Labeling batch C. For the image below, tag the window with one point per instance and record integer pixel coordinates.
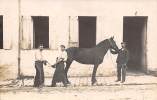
(87, 31)
(41, 31)
(1, 32)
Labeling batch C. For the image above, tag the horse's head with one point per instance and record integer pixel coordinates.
(113, 44)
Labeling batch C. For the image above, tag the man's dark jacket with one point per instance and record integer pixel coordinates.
(123, 55)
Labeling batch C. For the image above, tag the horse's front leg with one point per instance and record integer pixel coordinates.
(94, 74)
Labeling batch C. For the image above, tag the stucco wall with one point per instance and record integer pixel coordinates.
(109, 22)
(8, 55)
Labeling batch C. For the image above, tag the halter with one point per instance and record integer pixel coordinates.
(111, 44)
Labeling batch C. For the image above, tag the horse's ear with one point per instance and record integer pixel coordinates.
(112, 37)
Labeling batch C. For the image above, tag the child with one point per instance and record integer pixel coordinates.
(59, 74)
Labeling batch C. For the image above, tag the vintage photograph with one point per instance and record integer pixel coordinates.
(78, 50)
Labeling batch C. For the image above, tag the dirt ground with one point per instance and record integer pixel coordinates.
(137, 87)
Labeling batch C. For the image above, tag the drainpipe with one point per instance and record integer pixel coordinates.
(19, 40)
(69, 32)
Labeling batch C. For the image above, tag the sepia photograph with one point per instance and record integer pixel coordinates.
(78, 50)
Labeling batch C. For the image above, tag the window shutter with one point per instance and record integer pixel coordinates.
(73, 34)
(52, 32)
(7, 33)
(27, 31)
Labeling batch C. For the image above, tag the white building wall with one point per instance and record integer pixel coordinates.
(109, 22)
(8, 55)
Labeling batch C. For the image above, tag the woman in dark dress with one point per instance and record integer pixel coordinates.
(59, 74)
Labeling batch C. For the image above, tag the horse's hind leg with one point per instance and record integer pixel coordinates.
(94, 74)
(68, 63)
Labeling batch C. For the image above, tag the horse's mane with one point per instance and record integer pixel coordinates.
(102, 43)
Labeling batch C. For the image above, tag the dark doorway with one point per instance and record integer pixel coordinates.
(1, 32)
(41, 31)
(134, 33)
(87, 31)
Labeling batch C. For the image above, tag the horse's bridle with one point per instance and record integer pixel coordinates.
(111, 43)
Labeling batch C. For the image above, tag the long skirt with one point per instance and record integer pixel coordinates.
(39, 77)
(59, 74)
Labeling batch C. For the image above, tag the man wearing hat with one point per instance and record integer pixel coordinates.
(39, 61)
(122, 59)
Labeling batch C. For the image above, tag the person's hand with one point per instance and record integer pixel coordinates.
(124, 64)
(45, 62)
(111, 49)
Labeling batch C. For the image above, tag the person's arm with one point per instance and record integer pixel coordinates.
(127, 55)
(47, 63)
(113, 51)
(43, 57)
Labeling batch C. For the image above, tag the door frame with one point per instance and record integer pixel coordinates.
(144, 41)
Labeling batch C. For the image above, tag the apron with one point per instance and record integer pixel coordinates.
(59, 74)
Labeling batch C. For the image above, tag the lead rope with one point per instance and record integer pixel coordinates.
(112, 60)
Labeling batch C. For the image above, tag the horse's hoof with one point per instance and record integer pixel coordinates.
(68, 82)
(93, 82)
(65, 85)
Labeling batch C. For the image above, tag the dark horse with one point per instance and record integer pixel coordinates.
(94, 55)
